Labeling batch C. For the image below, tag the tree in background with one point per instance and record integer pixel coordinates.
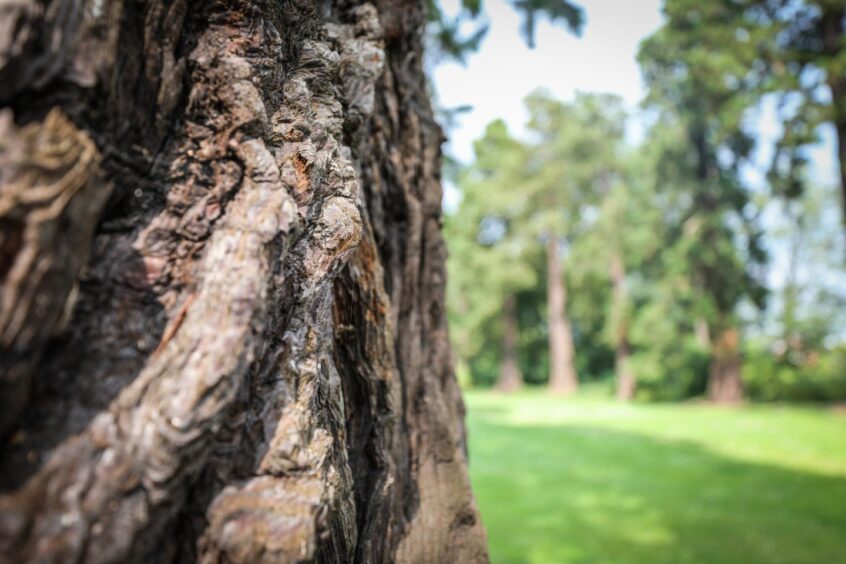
(622, 240)
(793, 50)
(797, 353)
(223, 285)
(573, 162)
(655, 262)
(715, 244)
(448, 40)
(523, 196)
(488, 262)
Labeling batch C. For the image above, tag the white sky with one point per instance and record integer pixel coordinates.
(505, 70)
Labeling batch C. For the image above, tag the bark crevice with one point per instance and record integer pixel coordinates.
(256, 366)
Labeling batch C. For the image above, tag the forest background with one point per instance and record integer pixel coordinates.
(675, 233)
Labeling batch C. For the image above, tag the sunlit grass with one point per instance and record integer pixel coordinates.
(589, 480)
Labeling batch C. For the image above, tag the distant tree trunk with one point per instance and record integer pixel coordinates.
(562, 377)
(703, 334)
(626, 381)
(222, 325)
(510, 377)
(833, 34)
(724, 380)
(840, 128)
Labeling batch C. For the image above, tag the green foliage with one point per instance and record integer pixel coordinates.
(450, 42)
(515, 195)
(485, 263)
(662, 245)
(739, 51)
(821, 376)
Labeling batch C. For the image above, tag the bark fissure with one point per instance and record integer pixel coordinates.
(253, 364)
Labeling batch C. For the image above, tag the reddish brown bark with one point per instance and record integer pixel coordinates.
(724, 380)
(562, 377)
(624, 375)
(223, 327)
(510, 377)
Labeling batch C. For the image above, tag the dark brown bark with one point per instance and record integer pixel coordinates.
(833, 34)
(840, 128)
(562, 377)
(222, 320)
(724, 378)
(624, 375)
(510, 377)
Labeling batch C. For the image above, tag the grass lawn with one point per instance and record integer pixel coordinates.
(589, 480)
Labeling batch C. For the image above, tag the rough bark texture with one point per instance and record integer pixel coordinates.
(562, 377)
(222, 324)
(510, 377)
(724, 380)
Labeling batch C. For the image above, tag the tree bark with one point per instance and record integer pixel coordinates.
(625, 376)
(562, 377)
(703, 334)
(724, 380)
(222, 327)
(510, 377)
(839, 94)
(832, 34)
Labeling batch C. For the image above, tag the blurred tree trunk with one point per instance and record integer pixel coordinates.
(626, 382)
(703, 334)
(724, 380)
(510, 378)
(562, 377)
(222, 320)
(833, 37)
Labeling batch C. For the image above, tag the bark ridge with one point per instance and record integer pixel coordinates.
(222, 320)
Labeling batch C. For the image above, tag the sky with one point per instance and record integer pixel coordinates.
(496, 79)
(505, 70)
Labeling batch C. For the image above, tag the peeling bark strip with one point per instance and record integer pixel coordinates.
(222, 321)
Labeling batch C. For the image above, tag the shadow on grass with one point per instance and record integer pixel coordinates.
(571, 493)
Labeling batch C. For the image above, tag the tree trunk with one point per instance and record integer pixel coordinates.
(222, 320)
(833, 33)
(510, 378)
(562, 377)
(724, 381)
(626, 380)
(840, 128)
(703, 334)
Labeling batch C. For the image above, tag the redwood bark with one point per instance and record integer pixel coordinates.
(510, 377)
(562, 377)
(833, 31)
(222, 328)
(724, 379)
(625, 376)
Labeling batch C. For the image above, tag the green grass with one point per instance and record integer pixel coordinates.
(589, 480)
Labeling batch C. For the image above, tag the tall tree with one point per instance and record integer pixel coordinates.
(716, 242)
(624, 237)
(222, 320)
(572, 163)
(489, 263)
(793, 49)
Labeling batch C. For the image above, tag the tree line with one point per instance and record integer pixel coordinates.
(576, 255)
